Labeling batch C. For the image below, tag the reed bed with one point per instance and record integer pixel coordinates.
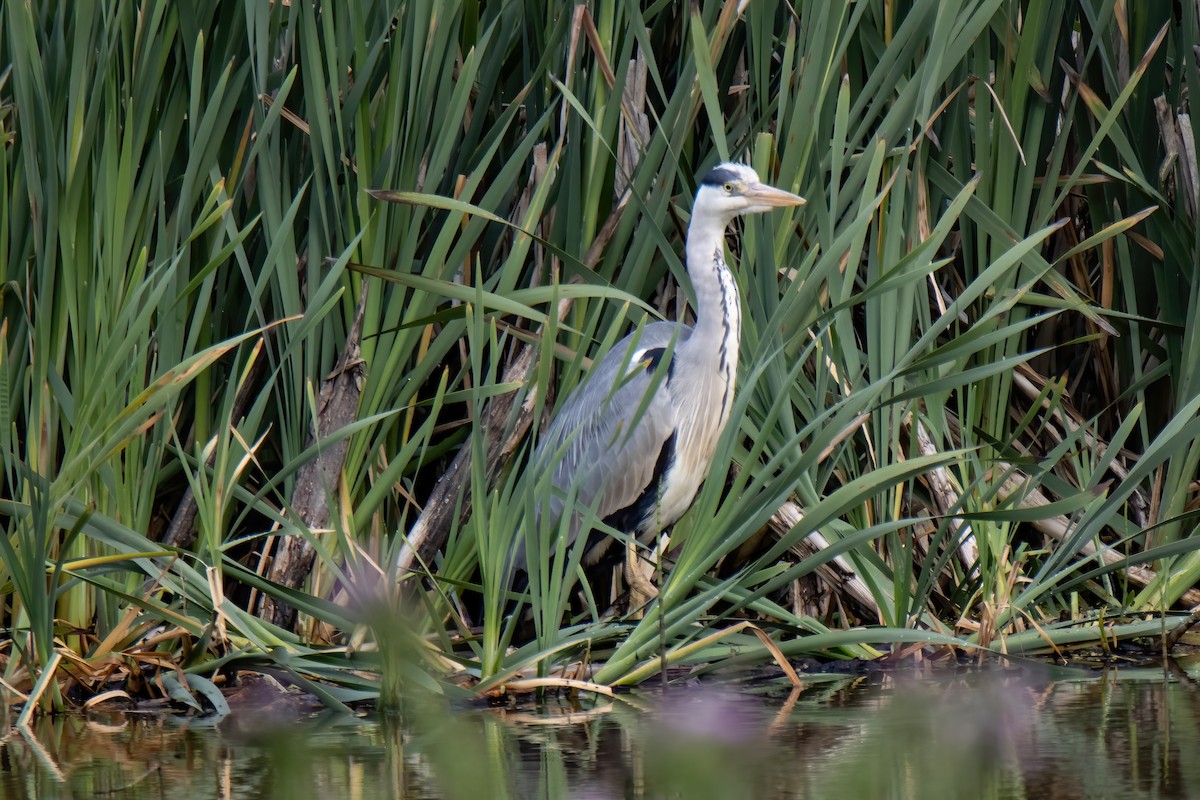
(289, 289)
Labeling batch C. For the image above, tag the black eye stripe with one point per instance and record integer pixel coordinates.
(719, 176)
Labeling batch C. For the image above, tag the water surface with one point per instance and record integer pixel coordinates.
(980, 734)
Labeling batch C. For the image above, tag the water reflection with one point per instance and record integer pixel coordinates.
(978, 735)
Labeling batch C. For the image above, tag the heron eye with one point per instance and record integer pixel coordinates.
(728, 188)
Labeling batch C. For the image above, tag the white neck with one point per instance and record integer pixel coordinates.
(707, 362)
(718, 312)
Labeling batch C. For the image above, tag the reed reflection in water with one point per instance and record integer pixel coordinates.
(980, 735)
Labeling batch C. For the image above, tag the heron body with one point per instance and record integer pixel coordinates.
(641, 459)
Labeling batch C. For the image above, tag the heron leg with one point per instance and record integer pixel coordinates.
(639, 574)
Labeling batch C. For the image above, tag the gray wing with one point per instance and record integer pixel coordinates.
(608, 450)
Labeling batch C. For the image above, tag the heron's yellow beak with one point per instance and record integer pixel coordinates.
(762, 194)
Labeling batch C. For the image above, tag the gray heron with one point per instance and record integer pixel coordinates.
(640, 458)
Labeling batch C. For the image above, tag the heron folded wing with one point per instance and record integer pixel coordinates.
(615, 448)
(617, 424)
(610, 437)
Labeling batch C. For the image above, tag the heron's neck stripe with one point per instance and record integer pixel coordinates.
(731, 331)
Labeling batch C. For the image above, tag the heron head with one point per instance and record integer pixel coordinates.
(730, 190)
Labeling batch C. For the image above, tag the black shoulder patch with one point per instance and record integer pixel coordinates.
(653, 357)
(719, 176)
